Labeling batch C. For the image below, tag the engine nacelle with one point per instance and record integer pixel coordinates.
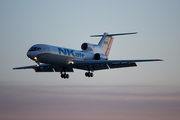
(100, 56)
(87, 46)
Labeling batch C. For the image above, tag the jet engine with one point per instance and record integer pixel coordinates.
(88, 46)
(100, 56)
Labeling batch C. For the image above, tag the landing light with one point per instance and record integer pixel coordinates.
(71, 62)
(35, 58)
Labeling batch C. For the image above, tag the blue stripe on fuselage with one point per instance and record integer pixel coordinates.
(70, 52)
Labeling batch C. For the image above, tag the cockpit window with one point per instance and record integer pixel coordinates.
(34, 49)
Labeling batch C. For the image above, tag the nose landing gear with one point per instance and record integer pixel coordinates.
(38, 63)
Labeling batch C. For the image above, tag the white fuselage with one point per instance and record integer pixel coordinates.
(57, 55)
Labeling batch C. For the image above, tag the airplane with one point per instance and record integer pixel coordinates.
(91, 58)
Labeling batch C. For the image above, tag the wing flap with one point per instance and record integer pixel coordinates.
(60, 69)
(111, 61)
(93, 67)
(120, 65)
(44, 69)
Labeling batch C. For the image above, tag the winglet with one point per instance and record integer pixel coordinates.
(159, 60)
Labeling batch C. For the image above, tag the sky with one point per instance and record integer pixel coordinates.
(149, 91)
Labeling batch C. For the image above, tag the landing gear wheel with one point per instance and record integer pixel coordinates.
(65, 76)
(89, 74)
(62, 75)
(86, 74)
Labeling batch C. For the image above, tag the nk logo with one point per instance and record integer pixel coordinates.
(69, 52)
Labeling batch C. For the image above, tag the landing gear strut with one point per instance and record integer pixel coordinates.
(38, 65)
(89, 74)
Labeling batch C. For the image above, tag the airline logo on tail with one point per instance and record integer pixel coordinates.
(109, 47)
(105, 42)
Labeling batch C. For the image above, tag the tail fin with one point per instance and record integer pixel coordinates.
(106, 41)
(105, 44)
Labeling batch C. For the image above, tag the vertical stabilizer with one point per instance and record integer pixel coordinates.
(105, 44)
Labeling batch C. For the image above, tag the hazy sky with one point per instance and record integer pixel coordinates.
(149, 91)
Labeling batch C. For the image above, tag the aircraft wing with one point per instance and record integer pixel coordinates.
(31, 66)
(46, 68)
(86, 65)
(106, 64)
(43, 68)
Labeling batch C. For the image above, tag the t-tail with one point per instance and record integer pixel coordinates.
(106, 42)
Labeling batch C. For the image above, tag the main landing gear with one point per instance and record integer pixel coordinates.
(64, 75)
(89, 74)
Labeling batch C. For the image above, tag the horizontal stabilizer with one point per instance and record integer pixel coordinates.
(114, 34)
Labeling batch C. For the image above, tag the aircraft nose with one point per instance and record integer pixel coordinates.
(30, 55)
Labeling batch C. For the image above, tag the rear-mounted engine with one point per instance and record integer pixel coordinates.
(100, 56)
(87, 46)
